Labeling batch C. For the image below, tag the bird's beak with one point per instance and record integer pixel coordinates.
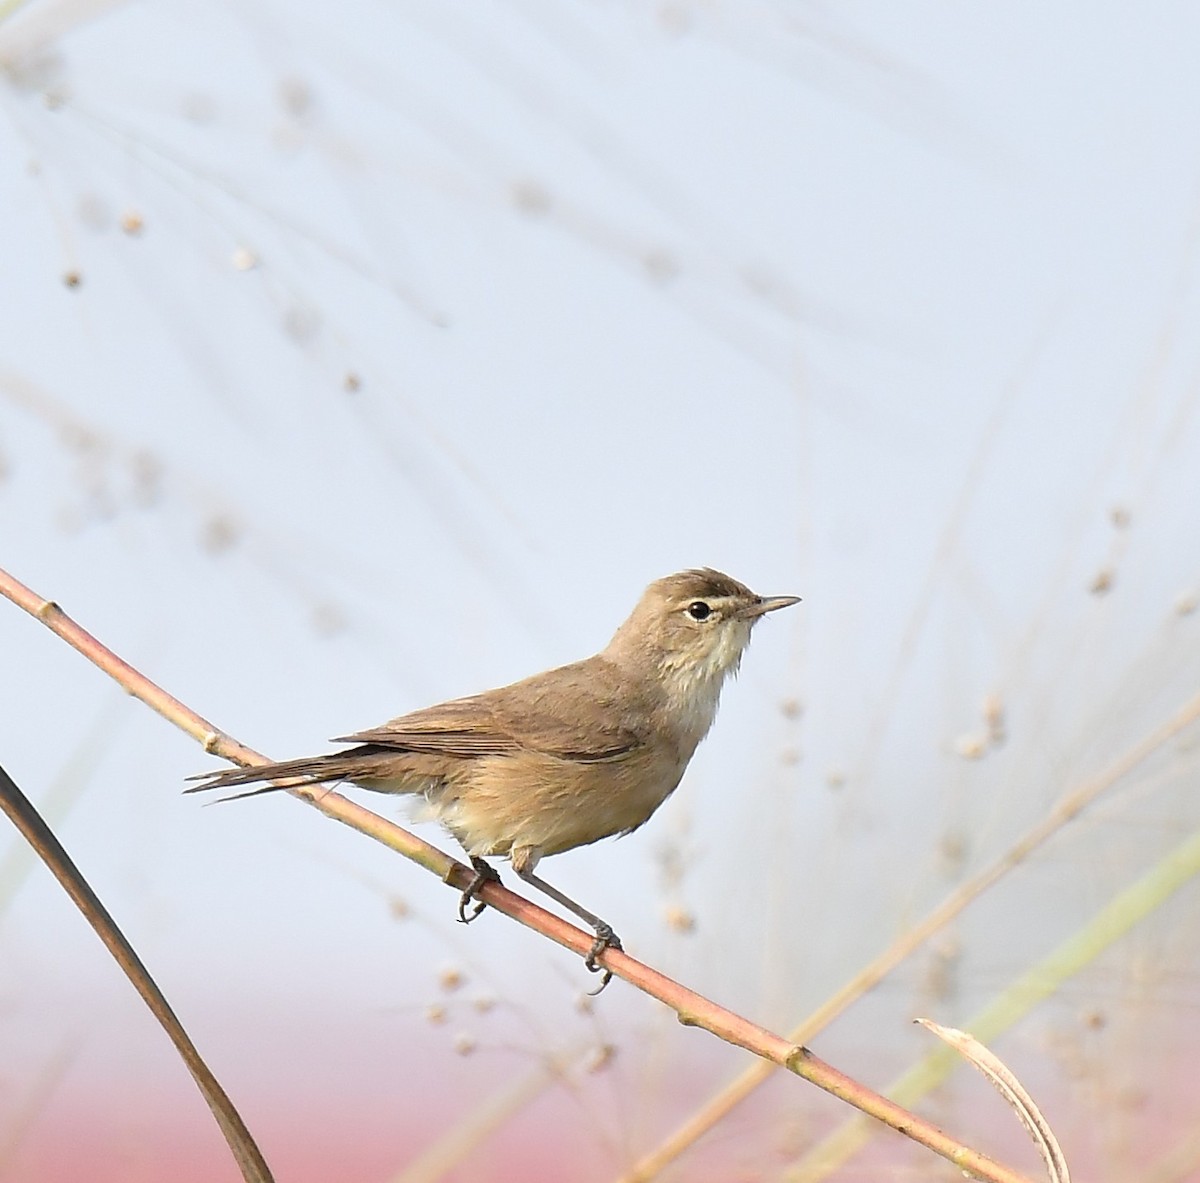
(766, 604)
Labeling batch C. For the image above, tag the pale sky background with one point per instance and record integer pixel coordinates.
(354, 357)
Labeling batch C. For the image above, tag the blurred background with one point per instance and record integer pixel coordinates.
(355, 357)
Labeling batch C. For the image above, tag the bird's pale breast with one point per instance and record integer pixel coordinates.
(551, 804)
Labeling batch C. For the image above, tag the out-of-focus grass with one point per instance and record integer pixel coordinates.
(1111, 923)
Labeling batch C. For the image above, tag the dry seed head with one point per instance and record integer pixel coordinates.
(679, 919)
(451, 978)
(600, 1058)
(970, 747)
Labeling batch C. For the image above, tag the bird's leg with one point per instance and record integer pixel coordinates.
(483, 874)
(605, 937)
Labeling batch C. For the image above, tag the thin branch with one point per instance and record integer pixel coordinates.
(1066, 809)
(692, 1008)
(1010, 1088)
(1040, 981)
(34, 830)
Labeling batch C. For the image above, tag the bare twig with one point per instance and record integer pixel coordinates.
(1065, 810)
(21, 812)
(1010, 1088)
(1128, 907)
(692, 1008)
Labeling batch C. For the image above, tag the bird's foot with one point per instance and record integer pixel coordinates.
(483, 874)
(605, 939)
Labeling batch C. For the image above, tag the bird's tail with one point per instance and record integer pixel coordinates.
(311, 770)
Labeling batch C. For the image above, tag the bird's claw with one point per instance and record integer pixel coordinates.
(468, 897)
(483, 874)
(605, 939)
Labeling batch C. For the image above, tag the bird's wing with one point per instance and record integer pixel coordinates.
(577, 713)
(464, 727)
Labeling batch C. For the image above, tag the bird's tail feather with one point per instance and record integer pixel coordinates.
(310, 770)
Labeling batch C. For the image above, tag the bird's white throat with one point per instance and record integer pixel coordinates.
(693, 687)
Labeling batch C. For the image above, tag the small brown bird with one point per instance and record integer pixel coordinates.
(566, 757)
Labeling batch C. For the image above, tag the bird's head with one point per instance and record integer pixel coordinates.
(692, 628)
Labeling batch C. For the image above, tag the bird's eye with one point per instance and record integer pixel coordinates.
(699, 610)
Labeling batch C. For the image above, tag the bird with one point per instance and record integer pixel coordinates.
(563, 758)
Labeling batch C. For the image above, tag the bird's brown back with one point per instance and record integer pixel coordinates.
(588, 711)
